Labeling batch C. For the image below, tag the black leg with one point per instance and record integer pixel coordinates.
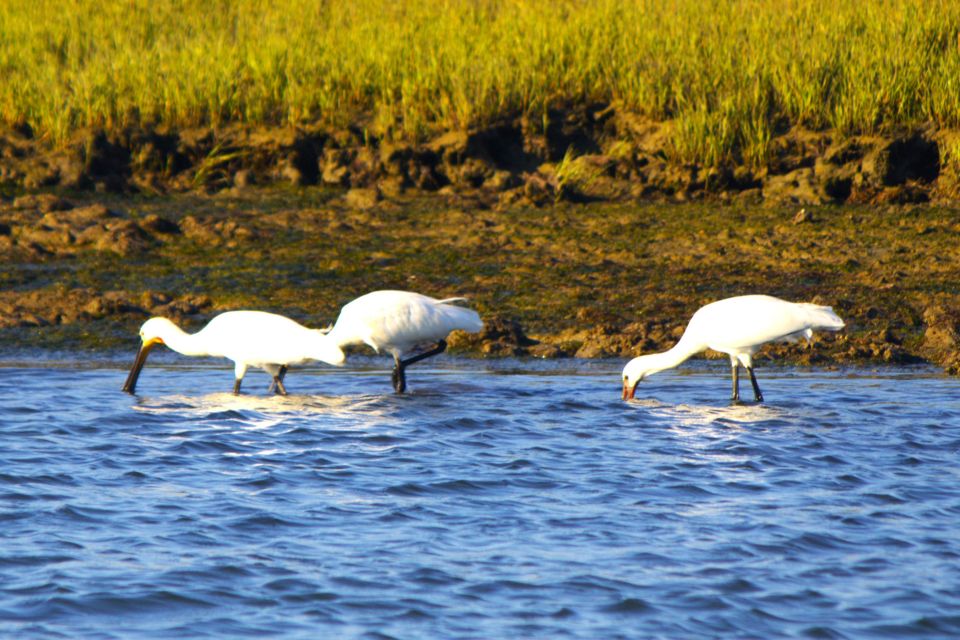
(756, 388)
(400, 366)
(440, 348)
(277, 383)
(398, 377)
(735, 371)
(236, 386)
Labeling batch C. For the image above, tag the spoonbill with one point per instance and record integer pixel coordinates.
(736, 326)
(249, 338)
(398, 322)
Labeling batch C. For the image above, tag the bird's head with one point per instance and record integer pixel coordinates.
(153, 330)
(635, 371)
(152, 333)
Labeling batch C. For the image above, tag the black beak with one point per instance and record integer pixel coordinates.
(131, 384)
(629, 391)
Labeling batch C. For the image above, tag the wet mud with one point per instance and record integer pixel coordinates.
(589, 280)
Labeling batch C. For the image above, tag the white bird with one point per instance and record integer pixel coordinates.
(399, 322)
(249, 338)
(738, 327)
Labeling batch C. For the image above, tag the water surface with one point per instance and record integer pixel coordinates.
(505, 499)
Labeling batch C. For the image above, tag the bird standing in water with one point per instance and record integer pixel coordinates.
(738, 327)
(400, 321)
(249, 338)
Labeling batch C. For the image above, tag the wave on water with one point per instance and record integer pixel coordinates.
(485, 503)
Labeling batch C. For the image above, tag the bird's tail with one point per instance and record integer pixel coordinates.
(461, 318)
(447, 300)
(821, 317)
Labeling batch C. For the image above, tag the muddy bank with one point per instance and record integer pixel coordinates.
(587, 153)
(569, 280)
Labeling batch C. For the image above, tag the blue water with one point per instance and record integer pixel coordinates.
(507, 499)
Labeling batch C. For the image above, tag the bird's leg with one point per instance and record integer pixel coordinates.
(398, 376)
(399, 369)
(440, 348)
(239, 370)
(735, 371)
(756, 388)
(278, 381)
(276, 385)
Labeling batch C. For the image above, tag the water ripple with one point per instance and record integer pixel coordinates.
(496, 499)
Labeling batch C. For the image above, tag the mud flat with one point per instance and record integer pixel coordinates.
(585, 280)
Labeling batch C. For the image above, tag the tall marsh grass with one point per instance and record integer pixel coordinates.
(728, 73)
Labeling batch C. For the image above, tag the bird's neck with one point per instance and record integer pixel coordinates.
(182, 342)
(334, 335)
(674, 356)
(340, 337)
(321, 346)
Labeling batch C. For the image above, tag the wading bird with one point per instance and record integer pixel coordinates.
(249, 338)
(400, 321)
(738, 327)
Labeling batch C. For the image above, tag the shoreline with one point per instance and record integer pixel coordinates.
(117, 358)
(571, 280)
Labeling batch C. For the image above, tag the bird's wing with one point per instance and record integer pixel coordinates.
(256, 337)
(396, 321)
(750, 321)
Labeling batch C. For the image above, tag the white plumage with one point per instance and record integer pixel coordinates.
(738, 327)
(398, 322)
(249, 338)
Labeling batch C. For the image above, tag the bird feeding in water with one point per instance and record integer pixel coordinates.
(399, 322)
(738, 327)
(249, 338)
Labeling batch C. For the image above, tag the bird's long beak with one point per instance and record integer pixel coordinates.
(628, 390)
(131, 384)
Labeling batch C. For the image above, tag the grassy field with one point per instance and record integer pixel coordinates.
(729, 74)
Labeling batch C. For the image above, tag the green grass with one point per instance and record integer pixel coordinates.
(728, 73)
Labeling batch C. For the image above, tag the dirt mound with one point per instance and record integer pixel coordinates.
(49, 225)
(45, 308)
(941, 337)
(580, 153)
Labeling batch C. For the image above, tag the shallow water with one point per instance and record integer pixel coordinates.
(507, 499)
